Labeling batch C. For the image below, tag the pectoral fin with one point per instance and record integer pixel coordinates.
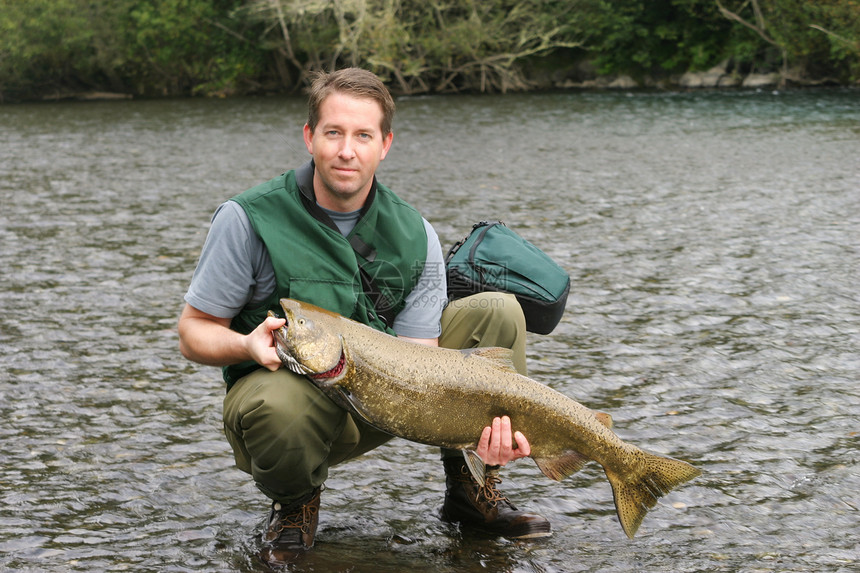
(348, 402)
(343, 399)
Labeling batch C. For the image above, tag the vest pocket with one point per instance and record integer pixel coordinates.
(337, 296)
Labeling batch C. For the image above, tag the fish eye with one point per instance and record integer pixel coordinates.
(301, 322)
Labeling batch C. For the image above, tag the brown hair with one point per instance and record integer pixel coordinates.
(355, 82)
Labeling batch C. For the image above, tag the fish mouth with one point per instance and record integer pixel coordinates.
(279, 336)
(289, 361)
(297, 367)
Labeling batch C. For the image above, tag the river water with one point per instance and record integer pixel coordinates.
(712, 240)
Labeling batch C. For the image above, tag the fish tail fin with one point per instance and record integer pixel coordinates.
(634, 497)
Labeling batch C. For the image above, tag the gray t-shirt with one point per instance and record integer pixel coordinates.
(235, 272)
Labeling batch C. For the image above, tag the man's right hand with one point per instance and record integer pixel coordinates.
(208, 339)
(261, 343)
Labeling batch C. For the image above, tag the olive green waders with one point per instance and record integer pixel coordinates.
(286, 433)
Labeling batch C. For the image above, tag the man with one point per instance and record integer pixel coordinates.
(330, 234)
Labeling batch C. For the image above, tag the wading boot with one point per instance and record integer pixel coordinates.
(290, 530)
(482, 506)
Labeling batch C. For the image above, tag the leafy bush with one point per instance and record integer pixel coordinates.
(420, 45)
(147, 47)
(218, 47)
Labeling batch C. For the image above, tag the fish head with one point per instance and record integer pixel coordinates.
(309, 343)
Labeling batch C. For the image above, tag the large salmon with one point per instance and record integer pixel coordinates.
(446, 397)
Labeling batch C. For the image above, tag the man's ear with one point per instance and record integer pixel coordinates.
(386, 145)
(308, 136)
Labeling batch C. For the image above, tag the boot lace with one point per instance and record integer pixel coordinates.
(487, 490)
(301, 519)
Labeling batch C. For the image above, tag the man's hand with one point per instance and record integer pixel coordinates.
(261, 344)
(208, 339)
(497, 447)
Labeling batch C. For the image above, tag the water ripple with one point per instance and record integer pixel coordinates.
(712, 243)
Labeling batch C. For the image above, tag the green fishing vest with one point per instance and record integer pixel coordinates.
(314, 263)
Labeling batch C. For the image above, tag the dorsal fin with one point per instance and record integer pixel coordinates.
(500, 357)
(603, 418)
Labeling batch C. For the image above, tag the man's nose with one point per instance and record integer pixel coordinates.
(346, 151)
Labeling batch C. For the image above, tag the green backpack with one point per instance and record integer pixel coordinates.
(494, 258)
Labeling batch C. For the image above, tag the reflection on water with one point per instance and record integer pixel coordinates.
(712, 240)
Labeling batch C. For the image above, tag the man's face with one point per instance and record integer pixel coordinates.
(347, 146)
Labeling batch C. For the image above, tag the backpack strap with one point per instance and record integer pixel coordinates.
(304, 178)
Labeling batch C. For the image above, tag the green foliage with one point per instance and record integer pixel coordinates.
(147, 47)
(420, 45)
(41, 38)
(182, 46)
(811, 39)
(654, 37)
(218, 47)
(839, 20)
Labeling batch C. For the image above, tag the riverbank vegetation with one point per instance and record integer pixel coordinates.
(60, 48)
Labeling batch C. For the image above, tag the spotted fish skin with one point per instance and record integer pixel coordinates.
(446, 397)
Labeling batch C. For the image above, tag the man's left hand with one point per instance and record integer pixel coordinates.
(499, 445)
